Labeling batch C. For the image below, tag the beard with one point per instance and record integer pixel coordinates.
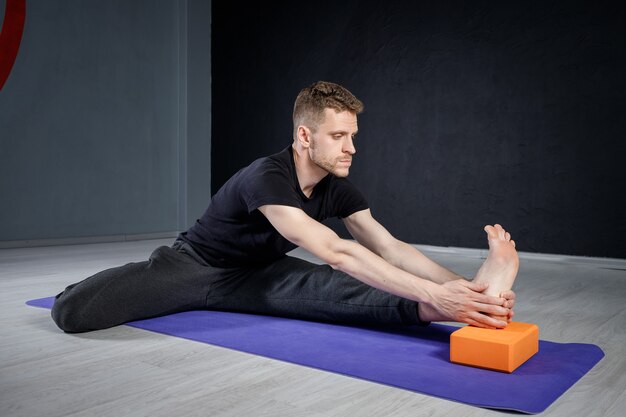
(327, 163)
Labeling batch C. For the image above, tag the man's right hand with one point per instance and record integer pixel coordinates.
(463, 301)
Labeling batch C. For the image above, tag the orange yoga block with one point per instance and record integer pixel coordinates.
(501, 350)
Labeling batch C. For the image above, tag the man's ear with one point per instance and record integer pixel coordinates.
(303, 134)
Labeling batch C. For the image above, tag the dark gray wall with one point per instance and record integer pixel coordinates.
(97, 135)
(476, 112)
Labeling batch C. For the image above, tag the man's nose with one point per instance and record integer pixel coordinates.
(348, 146)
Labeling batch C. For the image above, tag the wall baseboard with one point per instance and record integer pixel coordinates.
(608, 263)
(8, 244)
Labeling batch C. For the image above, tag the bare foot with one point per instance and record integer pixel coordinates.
(500, 268)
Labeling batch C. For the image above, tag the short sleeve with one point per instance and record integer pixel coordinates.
(269, 184)
(345, 198)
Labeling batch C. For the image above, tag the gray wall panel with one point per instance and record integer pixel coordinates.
(90, 121)
(198, 109)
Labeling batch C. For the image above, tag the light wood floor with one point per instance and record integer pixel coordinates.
(130, 372)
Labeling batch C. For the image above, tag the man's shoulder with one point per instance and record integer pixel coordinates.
(270, 180)
(276, 162)
(266, 174)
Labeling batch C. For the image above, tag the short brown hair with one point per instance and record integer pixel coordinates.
(314, 99)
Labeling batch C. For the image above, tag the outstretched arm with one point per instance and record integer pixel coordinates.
(455, 301)
(371, 234)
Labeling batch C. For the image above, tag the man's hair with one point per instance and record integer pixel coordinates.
(314, 99)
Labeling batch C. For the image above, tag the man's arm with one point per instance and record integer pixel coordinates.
(371, 234)
(458, 300)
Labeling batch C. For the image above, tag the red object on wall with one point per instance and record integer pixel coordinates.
(11, 36)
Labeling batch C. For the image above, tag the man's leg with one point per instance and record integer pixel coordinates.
(170, 281)
(292, 287)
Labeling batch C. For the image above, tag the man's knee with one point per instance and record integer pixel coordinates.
(67, 313)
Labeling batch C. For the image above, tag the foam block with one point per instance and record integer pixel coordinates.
(500, 350)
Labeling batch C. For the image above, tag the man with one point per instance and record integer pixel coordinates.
(234, 257)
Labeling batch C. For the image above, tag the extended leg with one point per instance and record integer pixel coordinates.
(170, 281)
(295, 288)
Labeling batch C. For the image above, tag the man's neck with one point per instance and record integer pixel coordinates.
(309, 174)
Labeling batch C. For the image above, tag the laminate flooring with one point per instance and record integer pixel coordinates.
(130, 372)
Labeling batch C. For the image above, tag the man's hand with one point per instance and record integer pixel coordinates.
(463, 301)
(509, 296)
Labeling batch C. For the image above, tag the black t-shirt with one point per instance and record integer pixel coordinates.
(232, 232)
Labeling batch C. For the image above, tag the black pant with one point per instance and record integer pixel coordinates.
(177, 279)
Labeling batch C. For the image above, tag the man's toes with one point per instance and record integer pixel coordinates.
(507, 236)
(491, 232)
(500, 231)
(513, 243)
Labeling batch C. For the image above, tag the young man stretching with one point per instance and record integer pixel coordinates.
(234, 257)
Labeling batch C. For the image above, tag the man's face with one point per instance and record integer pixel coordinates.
(332, 144)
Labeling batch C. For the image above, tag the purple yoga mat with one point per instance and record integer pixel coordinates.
(412, 358)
